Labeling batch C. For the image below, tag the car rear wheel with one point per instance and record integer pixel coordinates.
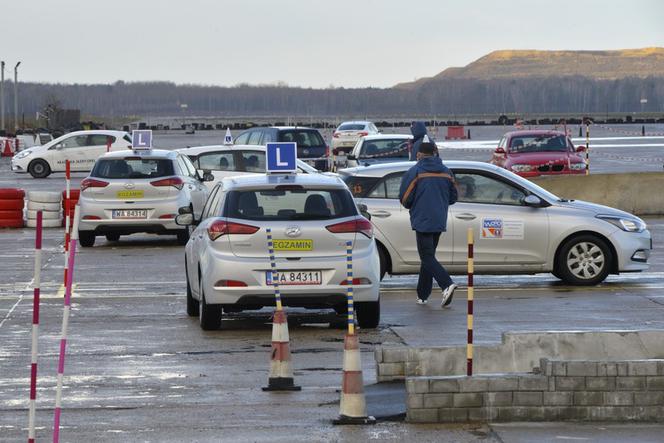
(39, 169)
(192, 304)
(584, 260)
(209, 315)
(368, 314)
(112, 237)
(86, 238)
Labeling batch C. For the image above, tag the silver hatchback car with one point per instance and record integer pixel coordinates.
(139, 191)
(519, 227)
(311, 216)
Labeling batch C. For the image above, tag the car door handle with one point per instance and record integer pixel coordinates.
(465, 216)
(380, 214)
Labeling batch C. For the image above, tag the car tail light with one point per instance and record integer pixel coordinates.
(230, 284)
(336, 134)
(360, 224)
(92, 183)
(176, 182)
(357, 281)
(363, 133)
(222, 227)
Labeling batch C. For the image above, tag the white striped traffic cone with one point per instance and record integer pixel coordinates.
(353, 407)
(281, 370)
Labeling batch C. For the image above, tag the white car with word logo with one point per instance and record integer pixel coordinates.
(311, 216)
(129, 192)
(81, 148)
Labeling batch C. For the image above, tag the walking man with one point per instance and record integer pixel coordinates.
(427, 190)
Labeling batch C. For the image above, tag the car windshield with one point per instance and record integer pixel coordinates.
(538, 143)
(132, 167)
(351, 127)
(389, 147)
(304, 139)
(289, 203)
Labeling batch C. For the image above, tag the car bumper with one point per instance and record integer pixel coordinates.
(336, 143)
(531, 174)
(19, 166)
(153, 223)
(633, 250)
(252, 271)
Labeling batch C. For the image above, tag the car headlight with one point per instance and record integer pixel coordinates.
(626, 224)
(22, 154)
(522, 168)
(577, 166)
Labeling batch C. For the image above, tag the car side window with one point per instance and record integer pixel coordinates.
(479, 188)
(254, 138)
(209, 203)
(180, 168)
(388, 187)
(189, 166)
(100, 139)
(217, 161)
(378, 191)
(254, 161)
(242, 138)
(78, 141)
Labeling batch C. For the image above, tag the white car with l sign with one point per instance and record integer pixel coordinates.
(81, 148)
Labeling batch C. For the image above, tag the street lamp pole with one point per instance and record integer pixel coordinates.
(2, 96)
(16, 97)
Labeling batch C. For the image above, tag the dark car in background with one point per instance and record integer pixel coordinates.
(538, 152)
(311, 146)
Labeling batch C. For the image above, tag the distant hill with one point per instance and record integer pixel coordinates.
(598, 65)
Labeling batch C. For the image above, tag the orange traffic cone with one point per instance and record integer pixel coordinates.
(8, 149)
(281, 370)
(353, 406)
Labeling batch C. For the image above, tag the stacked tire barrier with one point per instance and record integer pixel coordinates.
(11, 207)
(73, 201)
(47, 202)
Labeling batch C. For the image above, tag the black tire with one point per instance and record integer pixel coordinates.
(209, 315)
(183, 236)
(39, 168)
(192, 304)
(112, 237)
(86, 238)
(382, 256)
(368, 314)
(584, 260)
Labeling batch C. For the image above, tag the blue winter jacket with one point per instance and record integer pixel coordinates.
(419, 130)
(427, 190)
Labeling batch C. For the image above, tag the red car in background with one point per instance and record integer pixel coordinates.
(538, 152)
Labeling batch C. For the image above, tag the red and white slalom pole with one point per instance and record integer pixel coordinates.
(67, 216)
(65, 325)
(35, 331)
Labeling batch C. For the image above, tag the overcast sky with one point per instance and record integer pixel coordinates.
(312, 43)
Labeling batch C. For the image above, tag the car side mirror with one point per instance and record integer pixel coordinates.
(364, 210)
(184, 219)
(351, 157)
(532, 200)
(581, 148)
(500, 151)
(207, 176)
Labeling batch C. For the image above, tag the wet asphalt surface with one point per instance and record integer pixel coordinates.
(139, 369)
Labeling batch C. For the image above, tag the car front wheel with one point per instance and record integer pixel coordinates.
(39, 169)
(584, 260)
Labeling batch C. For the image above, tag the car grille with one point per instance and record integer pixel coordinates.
(547, 168)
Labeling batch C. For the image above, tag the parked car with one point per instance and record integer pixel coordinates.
(139, 191)
(311, 147)
(519, 228)
(81, 148)
(348, 133)
(312, 217)
(538, 152)
(380, 148)
(231, 160)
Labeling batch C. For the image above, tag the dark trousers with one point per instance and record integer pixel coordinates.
(430, 269)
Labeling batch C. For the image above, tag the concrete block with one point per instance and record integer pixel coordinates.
(482, 414)
(395, 355)
(493, 399)
(378, 355)
(411, 369)
(546, 366)
(533, 383)
(582, 398)
(641, 367)
(527, 399)
(581, 368)
(621, 367)
(615, 413)
(453, 415)
(422, 415)
(649, 398)
(417, 385)
(607, 369)
(566, 413)
(600, 383)
(618, 398)
(660, 367)
(414, 401)
(630, 383)
(521, 413)
(559, 368)
(468, 400)
(473, 384)
(391, 369)
(504, 383)
(570, 383)
(655, 383)
(438, 401)
(444, 385)
(557, 398)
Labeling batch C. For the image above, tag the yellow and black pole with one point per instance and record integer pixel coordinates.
(469, 346)
(587, 148)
